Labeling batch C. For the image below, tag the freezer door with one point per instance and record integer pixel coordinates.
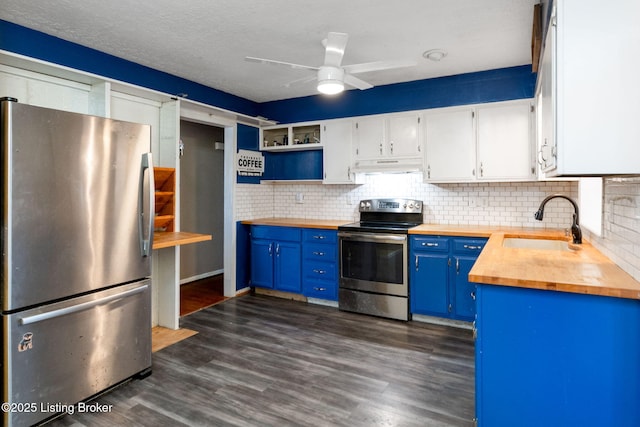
(77, 196)
(68, 351)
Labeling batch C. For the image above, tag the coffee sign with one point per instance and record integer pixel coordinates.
(250, 163)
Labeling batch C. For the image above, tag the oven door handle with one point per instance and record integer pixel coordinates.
(372, 237)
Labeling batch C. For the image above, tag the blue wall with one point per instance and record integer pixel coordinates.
(473, 88)
(24, 41)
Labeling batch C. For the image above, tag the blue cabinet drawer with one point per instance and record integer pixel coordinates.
(319, 270)
(320, 252)
(275, 233)
(321, 289)
(439, 244)
(319, 235)
(468, 246)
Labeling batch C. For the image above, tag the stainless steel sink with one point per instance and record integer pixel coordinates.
(544, 244)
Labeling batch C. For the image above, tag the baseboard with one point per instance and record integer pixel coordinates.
(201, 276)
(442, 321)
(280, 294)
(243, 291)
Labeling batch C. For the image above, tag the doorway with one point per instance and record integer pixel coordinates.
(202, 211)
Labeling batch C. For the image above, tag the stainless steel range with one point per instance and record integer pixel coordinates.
(374, 258)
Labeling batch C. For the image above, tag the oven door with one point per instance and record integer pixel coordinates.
(374, 262)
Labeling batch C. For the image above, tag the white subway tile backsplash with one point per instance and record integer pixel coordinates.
(469, 203)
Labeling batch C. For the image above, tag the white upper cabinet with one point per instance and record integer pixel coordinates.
(492, 142)
(505, 141)
(369, 138)
(450, 144)
(589, 103)
(336, 153)
(387, 142)
(404, 135)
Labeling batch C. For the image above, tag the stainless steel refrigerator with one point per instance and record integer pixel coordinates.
(77, 228)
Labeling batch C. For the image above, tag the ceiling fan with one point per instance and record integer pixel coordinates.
(331, 75)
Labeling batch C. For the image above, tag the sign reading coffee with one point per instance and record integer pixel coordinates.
(250, 163)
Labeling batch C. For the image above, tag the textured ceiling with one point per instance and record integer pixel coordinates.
(206, 40)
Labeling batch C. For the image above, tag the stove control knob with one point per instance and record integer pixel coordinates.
(361, 205)
(368, 206)
(410, 205)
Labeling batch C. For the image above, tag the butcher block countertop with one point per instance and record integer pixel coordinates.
(330, 224)
(164, 239)
(583, 269)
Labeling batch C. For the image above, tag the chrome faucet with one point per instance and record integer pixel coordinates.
(575, 227)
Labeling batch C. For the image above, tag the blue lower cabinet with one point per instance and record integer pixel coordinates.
(439, 276)
(464, 291)
(429, 284)
(262, 263)
(276, 256)
(320, 264)
(297, 260)
(287, 267)
(547, 358)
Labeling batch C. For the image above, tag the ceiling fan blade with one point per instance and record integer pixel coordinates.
(377, 66)
(274, 62)
(334, 49)
(356, 82)
(301, 81)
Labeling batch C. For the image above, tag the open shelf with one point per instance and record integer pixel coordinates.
(165, 183)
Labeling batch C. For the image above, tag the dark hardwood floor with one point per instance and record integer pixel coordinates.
(201, 293)
(265, 361)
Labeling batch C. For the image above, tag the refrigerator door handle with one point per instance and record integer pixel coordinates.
(145, 241)
(79, 307)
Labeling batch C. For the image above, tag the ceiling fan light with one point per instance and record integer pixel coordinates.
(330, 80)
(330, 87)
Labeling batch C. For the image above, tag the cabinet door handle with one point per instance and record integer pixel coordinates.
(318, 253)
(481, 170)
(381, 148)
(277, 249)
(315, 270)
(320, 237)
(315, 288)
(473, 295)
(429, 244)
(429, 171)
(457, 266)
(270, 249)
(391, 147)
(416, 262)
(472, 247)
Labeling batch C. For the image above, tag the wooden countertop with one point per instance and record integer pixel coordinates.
(481, 230)
(583, 269)
(330, 224)
(164, 239)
